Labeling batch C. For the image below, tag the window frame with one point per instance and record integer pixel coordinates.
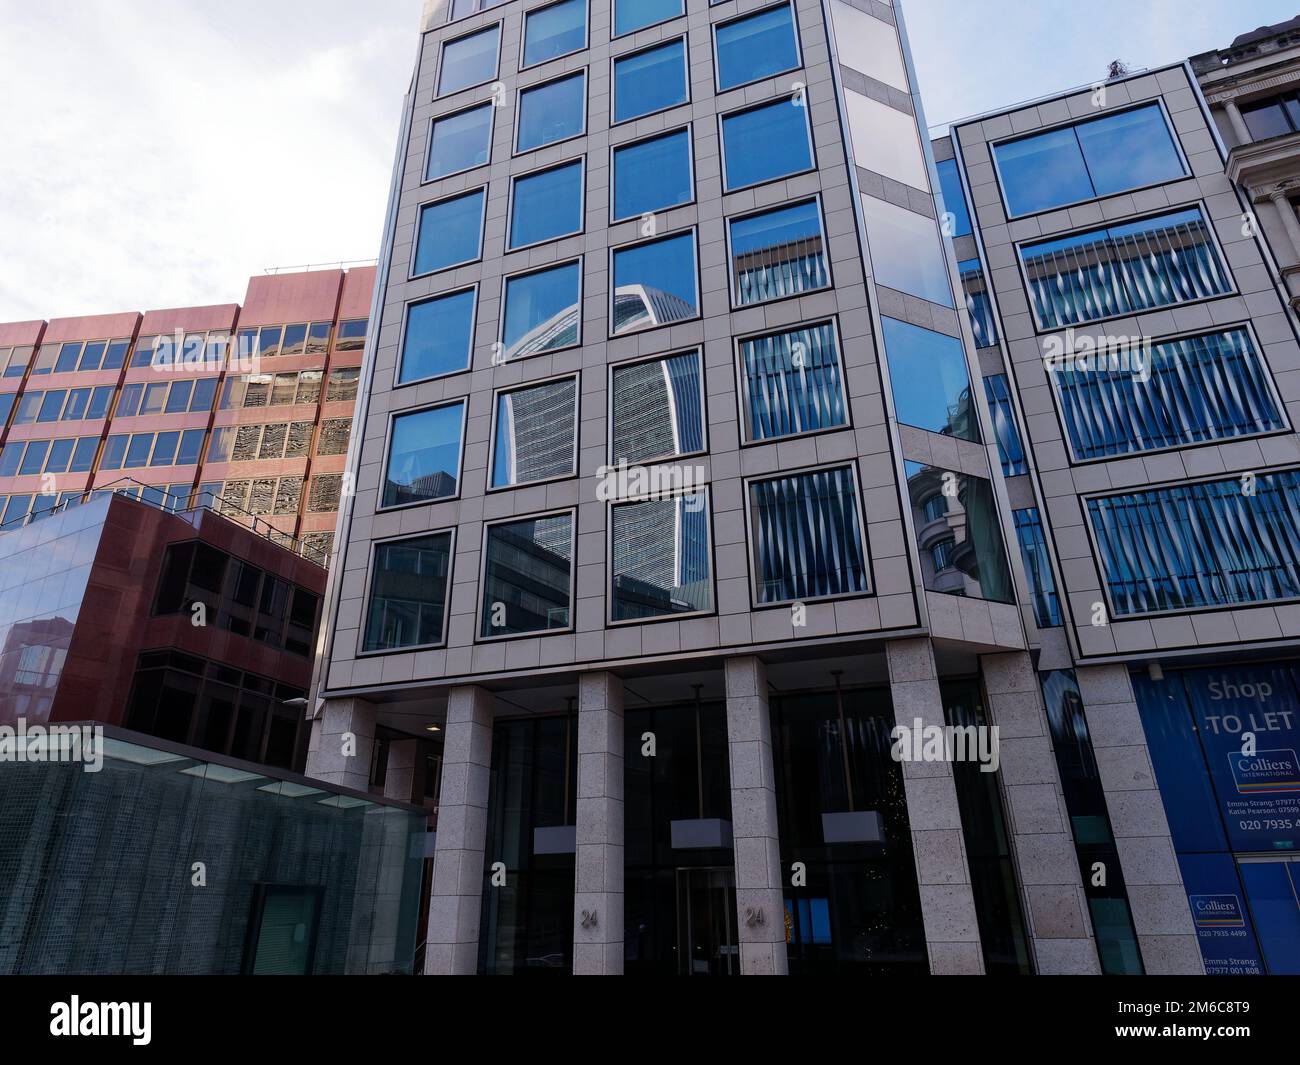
(1071, 124)
(370, 576)
(398, 383)
(419, 226)
(610, 505)
(656, 460)
(816, 200)
(438, 94)
(461, 401)
(615, 122)
(523, 36)
(428, 152)
(522, 386)
(751, 545)
(722, 141)
(691, 230)
(581, 160)
(686, 128)
(742, 393)
(515, 150)
(481, 588)
(754, 13)
(506, 278)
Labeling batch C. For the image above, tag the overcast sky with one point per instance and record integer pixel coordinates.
(155, 153)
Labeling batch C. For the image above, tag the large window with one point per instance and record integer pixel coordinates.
(424, 455)
(450, 232)
(553, 31)
(1011, 451)
(137, 450)
(756, 46)
(655, 283)
(1099, 157)
(766, 142)
(527, 576)
(954, 200)
(650, 80)
(906, 251)
(552, 112)
(1200, 545)
(806, 536)
(1038, 567)
(930, 380)
(1120, 269)
(660, 557)
(885, 140)
(1275, 116)
(469, 60)
(632, 15)
(542, 310)
(408, 593)
(652, 175)
(657, 408)
(777, 253)
(979, 307)
(439, 336)
(1171, 394)
(791, 382)
(460, 141)
(546, 204)
(536, 433)
(958, 534)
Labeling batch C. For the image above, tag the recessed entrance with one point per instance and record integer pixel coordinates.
(706, 922)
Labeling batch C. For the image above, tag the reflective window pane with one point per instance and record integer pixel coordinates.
(555, 30)
(424, 455)
(655, 283)
(756, 46)
(777, 253)
(930, 380)
(408, 593)
(542, 311)
(460, 141)
(652, 175)
(868, 45)
(552, 112)
(439, 335)
(885, 141)
(791, 383)
(661, 557)
(527, 576)
(451, 232)
(954, 203)
(547, 204)
(535, 432)
(650, 81)
(765, 143)
(1042, 171)
(632, 15)
(468, 61)
(658, 408)
(906, 252)
(958, 533)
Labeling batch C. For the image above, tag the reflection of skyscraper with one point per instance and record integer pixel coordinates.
(659, 407)
(637, 307)
(558, 331)
(781, 270)
(662, 557)
(535, 433)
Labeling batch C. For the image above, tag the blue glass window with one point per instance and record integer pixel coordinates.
(1174, 393)
(652, 175)
(408, 593)
(954, 202)
(542, 311)
(114, 452)
(451, 232)
(660, 557)
(164, 449)
(979, 308)
(791, 383)
(469, 60)
(930, 380)
(424, 455)
(554, 30)
(1038, 567)
(1011, 451)
(657, 408)
(83, 455)
(460, 141)
(650, 80)
(547, 205)
(137, 451)
(655, 283)
(68, 356)
(778, 253)
(439, 336)
(1200, 545)
(536, 428)
(552, 112)
(52, 405)
(527, 576)
(1136, 266)
(765, 143)
(906, 251)
(6, 405)
(632, 15)
(1098, 157)
(958, 534)
(60, 454)
(806, 536)
(756, 46)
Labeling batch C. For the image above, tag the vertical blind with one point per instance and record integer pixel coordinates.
(792, 383)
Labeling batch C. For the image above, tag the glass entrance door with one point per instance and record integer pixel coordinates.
(706, 922)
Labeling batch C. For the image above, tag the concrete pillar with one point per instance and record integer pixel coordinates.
(1289, 220)
(1157, 900)
(1238, 124)
(952, 935)
(760, 903)
(399, 777)
(456, 899)
(1059, 925)
(598, 866)
(342, 743)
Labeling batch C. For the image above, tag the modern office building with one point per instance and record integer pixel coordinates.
(247, 406)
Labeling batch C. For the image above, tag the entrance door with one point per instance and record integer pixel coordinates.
(706, 922)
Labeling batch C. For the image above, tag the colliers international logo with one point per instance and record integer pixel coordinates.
(1217, 911)
(1265, 772)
